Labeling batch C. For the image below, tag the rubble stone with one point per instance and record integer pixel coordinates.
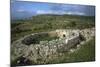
(39, 51)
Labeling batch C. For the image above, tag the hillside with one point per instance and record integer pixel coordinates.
(43, 23)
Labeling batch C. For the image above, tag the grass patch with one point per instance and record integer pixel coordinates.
(84, 54)
(44, 23)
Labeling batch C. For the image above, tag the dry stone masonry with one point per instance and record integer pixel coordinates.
(38, 50)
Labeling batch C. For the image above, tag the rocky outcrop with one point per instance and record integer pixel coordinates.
(33, 48)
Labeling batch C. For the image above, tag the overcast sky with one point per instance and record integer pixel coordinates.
(21, 9)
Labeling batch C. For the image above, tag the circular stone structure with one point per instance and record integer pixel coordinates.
(40, 47)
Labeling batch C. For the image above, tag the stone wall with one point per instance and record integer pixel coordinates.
(42, 51)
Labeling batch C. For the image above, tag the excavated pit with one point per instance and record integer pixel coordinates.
(36, 38)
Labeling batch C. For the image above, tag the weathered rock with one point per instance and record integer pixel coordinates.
(39, 51)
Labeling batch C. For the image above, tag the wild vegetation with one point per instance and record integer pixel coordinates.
(43, 23)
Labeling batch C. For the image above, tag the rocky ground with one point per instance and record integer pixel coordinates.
(25, 53)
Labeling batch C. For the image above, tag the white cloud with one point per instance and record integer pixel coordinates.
(58, 12)
(76, 13)
(43, 12)
(20, 10)
(50, 12)
(54, 12)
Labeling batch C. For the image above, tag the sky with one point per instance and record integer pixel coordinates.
(24, 9)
